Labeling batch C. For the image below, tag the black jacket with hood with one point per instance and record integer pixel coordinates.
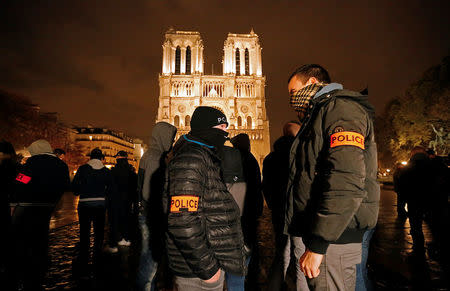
(44, 177)
(206, 235)
(153, 161)
(151, 178)
(93, 182)
(332, 192)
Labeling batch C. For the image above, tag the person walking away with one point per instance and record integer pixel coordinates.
(150, 186)
(125, 179)
(204, 237)
(40, 184)
(275, 178)
(253, 206)
(415, 180)
(332, 192)
(93, 183)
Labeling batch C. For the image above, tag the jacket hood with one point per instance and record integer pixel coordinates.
(95, 164)
(162, 137)
(40, 147)
(363, 100)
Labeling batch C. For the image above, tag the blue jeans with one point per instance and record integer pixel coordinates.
(235, 282)
(145, 279)
(362, 280)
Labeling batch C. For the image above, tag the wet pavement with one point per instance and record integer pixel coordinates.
(391, 263)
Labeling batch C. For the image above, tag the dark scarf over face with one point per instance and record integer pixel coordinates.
(211, 136)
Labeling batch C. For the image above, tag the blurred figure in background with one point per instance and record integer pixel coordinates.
(415, 181)
(150, 186)
(93, 183)
(125, 178)
(41, 183)
(275, 179)
(252, 207)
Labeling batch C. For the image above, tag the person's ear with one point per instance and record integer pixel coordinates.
(312, 80)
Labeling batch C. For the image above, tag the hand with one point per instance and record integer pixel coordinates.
(213, 278)
(310, 263)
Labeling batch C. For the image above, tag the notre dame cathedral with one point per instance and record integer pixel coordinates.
(239, 92)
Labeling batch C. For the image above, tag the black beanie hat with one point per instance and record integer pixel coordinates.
(205, 117)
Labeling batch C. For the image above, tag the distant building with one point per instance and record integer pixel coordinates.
(239, 92)
(110, 142)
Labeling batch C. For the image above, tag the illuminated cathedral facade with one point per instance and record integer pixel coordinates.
(239, 92)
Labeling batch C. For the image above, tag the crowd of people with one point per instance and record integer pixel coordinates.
(198, 201)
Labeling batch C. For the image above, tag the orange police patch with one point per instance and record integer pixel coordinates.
(184, 203)
(347, 138)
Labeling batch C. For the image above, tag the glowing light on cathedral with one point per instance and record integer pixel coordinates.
(239, 92)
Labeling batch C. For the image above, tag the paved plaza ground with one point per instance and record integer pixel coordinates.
(391, 265)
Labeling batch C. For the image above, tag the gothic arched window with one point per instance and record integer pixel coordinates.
(188, 60)
(247, 62)
(176, 121)
(187, 121)
(177, 60)
(238, 62)
(249, 122)
(239, 121)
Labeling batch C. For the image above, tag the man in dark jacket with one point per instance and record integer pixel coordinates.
(253, 205)
(204, 236)
(41, 183)
(120, 204)
(93, 183)
(276, 175)
(332, 190)
(150, 187)
(415, 180)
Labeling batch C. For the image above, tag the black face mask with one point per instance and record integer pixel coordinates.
(212, 136)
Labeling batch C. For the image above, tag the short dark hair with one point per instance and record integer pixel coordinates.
(311, 70)
(59, 152)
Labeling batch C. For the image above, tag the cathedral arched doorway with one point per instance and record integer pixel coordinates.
(187, 121)
(249, 122)
(239, 122)
(176, 121)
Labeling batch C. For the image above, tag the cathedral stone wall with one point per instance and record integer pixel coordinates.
(239, 92)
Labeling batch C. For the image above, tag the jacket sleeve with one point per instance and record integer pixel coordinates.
(344, 127)
(187, 178)
(151, 165)
(76, 182)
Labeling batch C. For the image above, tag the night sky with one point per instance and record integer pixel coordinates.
(98, 62)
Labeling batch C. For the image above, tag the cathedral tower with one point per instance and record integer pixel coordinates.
(239, 92)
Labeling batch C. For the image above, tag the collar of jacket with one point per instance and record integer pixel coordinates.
(197, 142)
(328, 88)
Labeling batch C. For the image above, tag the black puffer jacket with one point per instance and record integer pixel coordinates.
(206, 235)
(332, 190)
